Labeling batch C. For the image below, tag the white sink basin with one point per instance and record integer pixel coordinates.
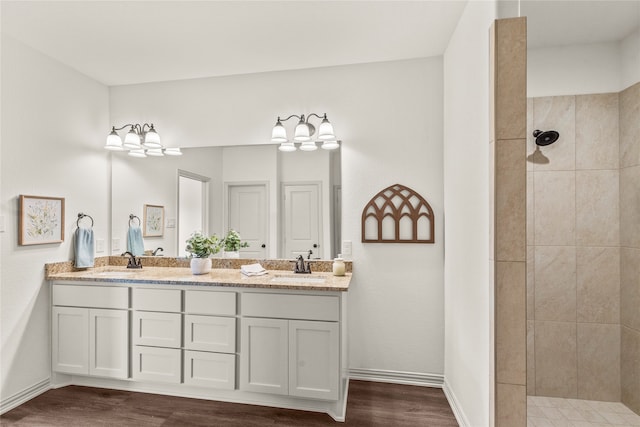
(298, 278)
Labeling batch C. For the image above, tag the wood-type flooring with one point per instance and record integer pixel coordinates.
(369, 404)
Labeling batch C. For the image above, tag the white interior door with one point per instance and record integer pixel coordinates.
(192, 208)
(247, 214)
(301, 220)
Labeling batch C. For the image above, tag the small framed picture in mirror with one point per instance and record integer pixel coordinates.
(153, 222)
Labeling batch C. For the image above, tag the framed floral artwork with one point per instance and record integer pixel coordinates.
(153, 221)
(41, 220)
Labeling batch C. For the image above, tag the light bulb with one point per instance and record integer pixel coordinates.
(132, 139)
(152, 139)
(279, 133)
(114, 142)
(302, 132)
(325, 131)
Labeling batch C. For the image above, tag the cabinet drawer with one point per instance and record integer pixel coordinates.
(168, 300)
(209, 333)
(157, 329)
(156, 364)
(210, 369)
(91, 296)
(284, 306)
(210, 302)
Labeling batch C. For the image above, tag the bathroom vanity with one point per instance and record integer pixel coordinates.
(276, 340)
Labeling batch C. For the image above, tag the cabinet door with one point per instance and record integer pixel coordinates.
(156, 364)
(214, 370)
(70, 340)
(109, 343)
(314, 350)
(210, 333)
(263, 356)
(157, 329)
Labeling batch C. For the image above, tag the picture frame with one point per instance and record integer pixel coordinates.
(153, 221)
(40, 220)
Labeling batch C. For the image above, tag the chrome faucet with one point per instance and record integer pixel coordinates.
(302, 267)
(133, 261)
(155, 253)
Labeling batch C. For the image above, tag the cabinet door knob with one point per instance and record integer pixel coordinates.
(263, 246)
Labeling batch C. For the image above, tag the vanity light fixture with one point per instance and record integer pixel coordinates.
(303, 134)
(140, 140)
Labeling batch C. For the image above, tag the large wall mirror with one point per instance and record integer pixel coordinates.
(282, 204)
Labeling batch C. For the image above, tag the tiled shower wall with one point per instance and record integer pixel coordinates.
(573, 249)
(630, 245)
(583, 248)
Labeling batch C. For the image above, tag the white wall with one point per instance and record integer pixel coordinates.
(53, 133)
(584, 68)
(573, 69)
(389, 116)
(630, 60)
(466, 205)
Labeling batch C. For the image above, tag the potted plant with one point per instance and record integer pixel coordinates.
(232, 244)
(201, 248)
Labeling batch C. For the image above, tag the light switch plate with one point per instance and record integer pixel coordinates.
(171, 223)
(346, 248)
(115, 245)
(99, 245)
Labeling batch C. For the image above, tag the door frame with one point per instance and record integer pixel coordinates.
(267, 218)
(206, 181)
(282, 219)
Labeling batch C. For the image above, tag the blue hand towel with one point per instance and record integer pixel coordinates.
(135, 245)
(83, 247)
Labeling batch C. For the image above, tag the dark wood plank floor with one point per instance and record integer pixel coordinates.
(369, 404)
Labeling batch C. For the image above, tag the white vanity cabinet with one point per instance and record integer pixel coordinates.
(293, 348)
(90, 330)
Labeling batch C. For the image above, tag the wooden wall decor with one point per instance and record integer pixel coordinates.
(407, 216)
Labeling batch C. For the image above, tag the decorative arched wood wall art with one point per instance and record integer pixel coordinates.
(398, 214)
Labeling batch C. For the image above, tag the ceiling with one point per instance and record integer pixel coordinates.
(127, 42)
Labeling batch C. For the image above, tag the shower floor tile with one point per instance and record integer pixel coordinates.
(558, 412)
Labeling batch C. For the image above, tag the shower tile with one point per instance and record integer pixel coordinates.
(510, 200)
(555, 283)
(597, 131)
(597, 214)
(630, 126)
(630, 368)
(511, 328)
(556, 364)
(629, 203)
(531, 361)
(630, 288)
(530, 210)
(554, 208)
(511, 405)
(598, 284)
(510, 88)
(557, 113)
(531, 284)
(598, 362)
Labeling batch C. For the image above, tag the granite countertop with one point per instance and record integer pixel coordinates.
(217, 277)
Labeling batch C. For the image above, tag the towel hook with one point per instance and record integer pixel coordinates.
(132, 217)
(83, 215)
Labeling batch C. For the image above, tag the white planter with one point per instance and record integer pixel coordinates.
(232, 254)
(200, 265)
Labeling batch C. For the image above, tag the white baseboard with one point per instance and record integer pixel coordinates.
(397, 377)
(455, 406)
(25, 395)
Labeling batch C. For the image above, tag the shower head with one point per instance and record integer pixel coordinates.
(545, 138)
